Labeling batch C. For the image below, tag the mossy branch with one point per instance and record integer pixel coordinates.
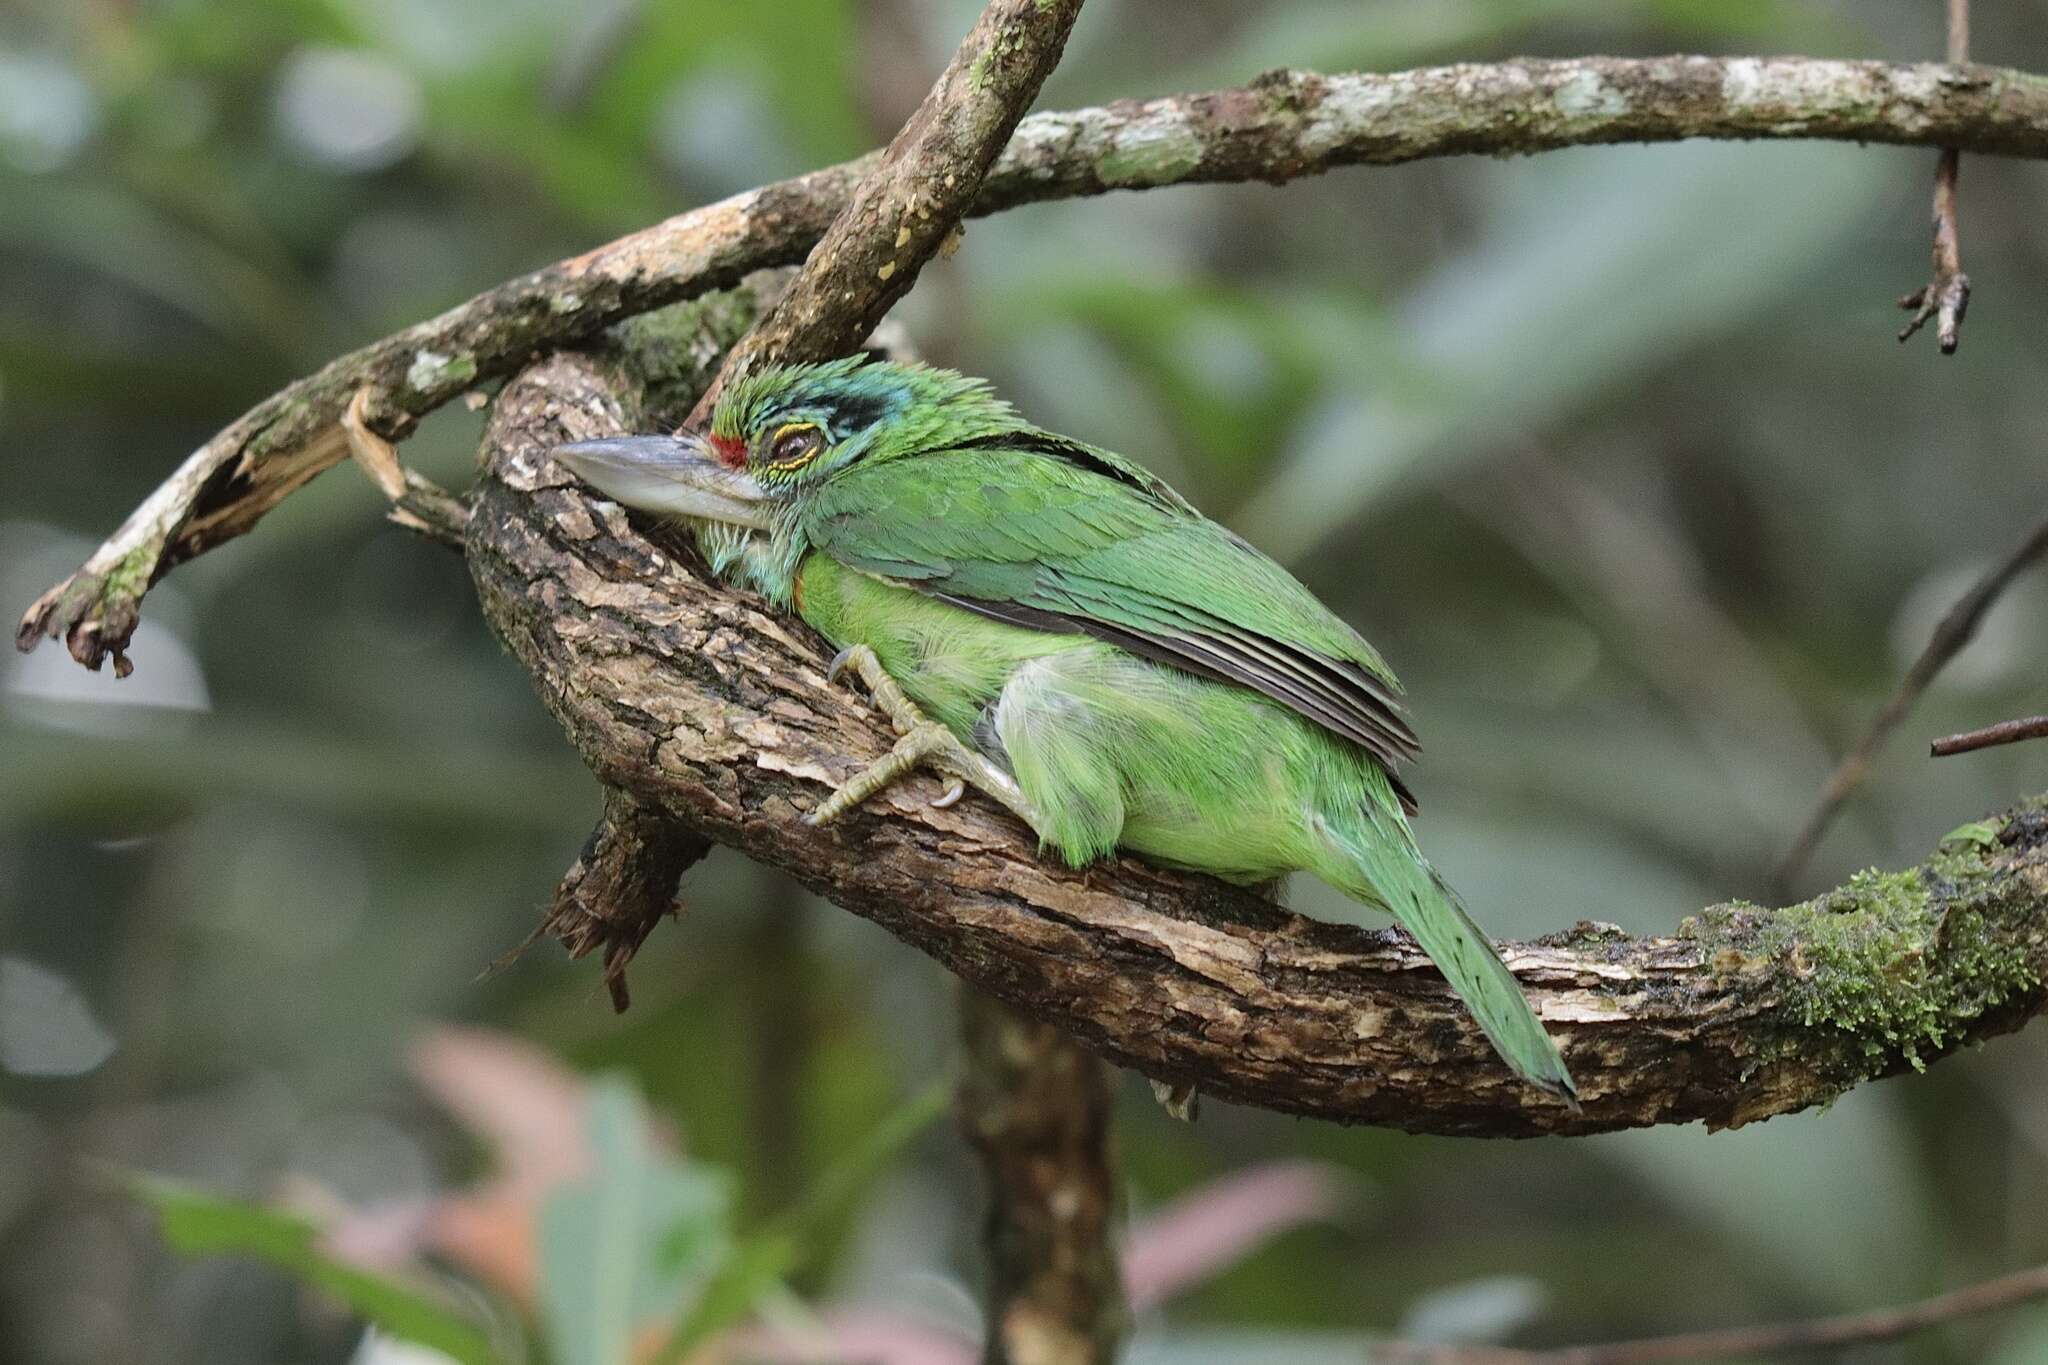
(1280, 127)
(703, 704)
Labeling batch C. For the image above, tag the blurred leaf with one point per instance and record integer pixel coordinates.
(1477, 1310)
(514, 1095)
(2026, 1343)
(766, 1257)
(593, 155)
(528, 1109)
(47, 1027)
(1601, 265)
(200, 1224)
(1232, 365)
(1214, 1226)
(631, 1243)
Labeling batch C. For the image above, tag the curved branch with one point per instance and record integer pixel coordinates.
(1282, 126)
(700, 702)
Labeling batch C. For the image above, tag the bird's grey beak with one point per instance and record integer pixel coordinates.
(677, 475)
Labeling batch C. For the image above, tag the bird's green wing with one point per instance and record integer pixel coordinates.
(1048, 533)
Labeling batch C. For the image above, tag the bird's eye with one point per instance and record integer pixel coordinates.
(795, 446)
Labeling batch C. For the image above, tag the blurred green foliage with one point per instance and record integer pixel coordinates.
(200, 1224)
(1609, 450)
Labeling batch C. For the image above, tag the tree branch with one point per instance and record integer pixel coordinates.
(1283, 126)
(1036, 1109)
(896, 218)
(911, 203)
(1848, 1329)
(621, 886)
(697, 700)
(2005, 732)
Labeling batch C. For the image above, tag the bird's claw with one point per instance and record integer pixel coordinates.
(926, 744)
(923, 743)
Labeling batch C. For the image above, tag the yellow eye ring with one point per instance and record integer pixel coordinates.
(794, 446)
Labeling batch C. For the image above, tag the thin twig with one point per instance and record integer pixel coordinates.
(2005, 732)
(906, 209)
(1956, 629)
(1946, 297)
(1849, 1329)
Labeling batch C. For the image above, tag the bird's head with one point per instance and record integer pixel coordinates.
(780, 433)
(776, 437)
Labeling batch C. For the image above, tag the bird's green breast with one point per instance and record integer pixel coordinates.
(950, 661)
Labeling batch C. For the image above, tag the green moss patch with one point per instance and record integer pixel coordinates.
(1901, 964)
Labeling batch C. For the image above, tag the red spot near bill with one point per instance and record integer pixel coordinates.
(732, 453)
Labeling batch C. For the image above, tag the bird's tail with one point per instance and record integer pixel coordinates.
(1377, 862)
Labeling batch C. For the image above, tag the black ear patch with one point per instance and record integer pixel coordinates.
(857, 412)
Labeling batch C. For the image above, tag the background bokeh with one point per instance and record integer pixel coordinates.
(1611, 451)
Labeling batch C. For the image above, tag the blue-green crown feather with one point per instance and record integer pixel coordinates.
(869, 409)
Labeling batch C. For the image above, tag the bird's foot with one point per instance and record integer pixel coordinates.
(923, 743)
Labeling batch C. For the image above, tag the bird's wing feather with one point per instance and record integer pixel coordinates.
(1054, 535)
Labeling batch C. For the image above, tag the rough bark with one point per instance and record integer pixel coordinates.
(701, 702)
(622, 886)
(1283, 126)
(1036, 1108)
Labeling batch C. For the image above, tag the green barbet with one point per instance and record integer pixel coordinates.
(1055, 626)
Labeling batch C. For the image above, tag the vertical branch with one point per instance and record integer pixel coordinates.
(910, 205)
(1946, 297)
(1036, 1108)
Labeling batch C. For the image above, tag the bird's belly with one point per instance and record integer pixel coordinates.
(1121, 751)
(1113, 750)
